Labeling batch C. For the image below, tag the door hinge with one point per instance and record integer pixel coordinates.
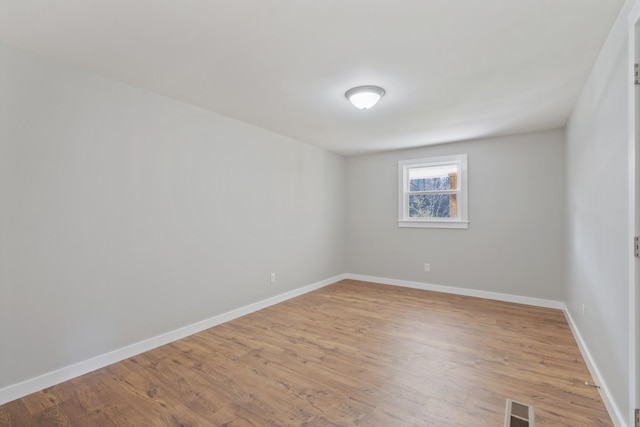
(637, 418)
(636, 248)
(636, 74)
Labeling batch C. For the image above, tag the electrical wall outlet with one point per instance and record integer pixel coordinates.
(273, 277)
(427, 267)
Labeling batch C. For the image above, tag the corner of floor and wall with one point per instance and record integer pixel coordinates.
(117, 236)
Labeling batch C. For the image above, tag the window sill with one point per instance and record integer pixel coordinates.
(434, 224)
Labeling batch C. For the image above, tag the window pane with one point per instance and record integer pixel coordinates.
(432, 192)
(432, 206)
(430, 178)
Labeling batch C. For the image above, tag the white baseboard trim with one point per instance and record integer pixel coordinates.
(539, 302)
(49, 379)
(614, 411)
(16, 391)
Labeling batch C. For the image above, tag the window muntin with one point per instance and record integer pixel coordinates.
(432, 192)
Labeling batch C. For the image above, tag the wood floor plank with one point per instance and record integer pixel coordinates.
(352, 353)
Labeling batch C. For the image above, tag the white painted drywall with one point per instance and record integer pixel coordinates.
(4, 178)
(596, 216)
(514, 243)
(127, 214)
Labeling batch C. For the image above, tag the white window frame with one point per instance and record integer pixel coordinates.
(461, 221)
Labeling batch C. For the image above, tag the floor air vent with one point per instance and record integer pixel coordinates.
(519, 415)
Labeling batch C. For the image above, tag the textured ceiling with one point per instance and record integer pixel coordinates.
(452, 70)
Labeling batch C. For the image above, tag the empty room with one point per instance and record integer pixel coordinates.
(332, 213)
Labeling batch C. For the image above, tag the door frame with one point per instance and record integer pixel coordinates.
(633, 23)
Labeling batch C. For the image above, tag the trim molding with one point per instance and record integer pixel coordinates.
(539, 302)
(605, 394)
(614, 411)
(49, 379)
(16, 391)
(633, 34)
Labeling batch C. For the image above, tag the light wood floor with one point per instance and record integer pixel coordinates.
(352, 353)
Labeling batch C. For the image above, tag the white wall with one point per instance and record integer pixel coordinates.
(514, 243)
(4, 180)
(127, 214)
(124, 214)
(598, 238)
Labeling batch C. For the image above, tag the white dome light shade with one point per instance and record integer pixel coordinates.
(364, 97)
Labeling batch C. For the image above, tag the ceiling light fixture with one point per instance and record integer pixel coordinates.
(364, 97)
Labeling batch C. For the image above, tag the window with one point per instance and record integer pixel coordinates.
(433, 192)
